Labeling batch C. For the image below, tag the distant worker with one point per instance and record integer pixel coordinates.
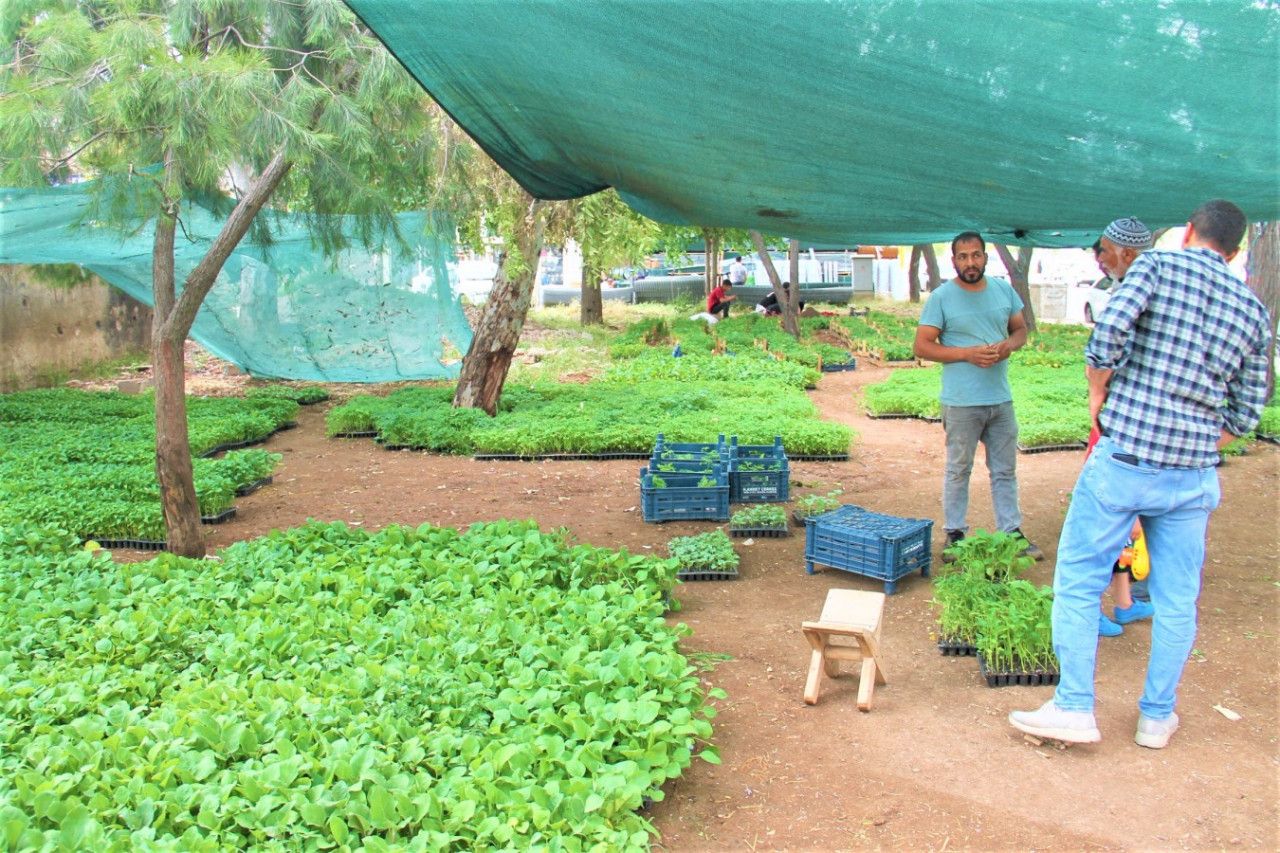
(719, 298)
(972, 324)
(737, 272)
(769, 306)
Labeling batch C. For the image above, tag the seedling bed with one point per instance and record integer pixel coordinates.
(222, 517)
(135, 544)
(1016, 678)
(1051, 448)
(765, 532)
(696, 573)
(254, 486)
(956, 648)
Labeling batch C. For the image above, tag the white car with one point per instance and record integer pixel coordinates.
(1096, 299)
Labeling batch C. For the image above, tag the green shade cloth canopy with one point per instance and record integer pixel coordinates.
(281, 307)
(889, 122)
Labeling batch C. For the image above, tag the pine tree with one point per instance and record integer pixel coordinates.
(161, 100)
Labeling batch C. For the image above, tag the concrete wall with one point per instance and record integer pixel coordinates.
(48, 331)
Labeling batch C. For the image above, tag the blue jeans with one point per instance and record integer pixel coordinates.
(997, 429)
(1174, 505)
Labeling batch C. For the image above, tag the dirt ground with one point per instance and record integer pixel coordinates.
(934, 765)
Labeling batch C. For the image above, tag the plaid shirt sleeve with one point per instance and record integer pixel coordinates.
(1247, 390)
(1111, 343)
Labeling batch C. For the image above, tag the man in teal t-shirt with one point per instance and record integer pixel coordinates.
(971, 324)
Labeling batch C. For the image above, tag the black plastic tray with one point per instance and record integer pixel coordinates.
(851, 364)
(135, 544)
(763, 532)
(358, 433)
(222, 517)
(1052, 448)
(956, 648)
(696, 574)
(1016, 678)
(818, 457)
(250, 488)
(563, 457)
(891, 416)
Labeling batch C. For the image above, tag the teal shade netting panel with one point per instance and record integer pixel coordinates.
(281, 308)
(891, 122)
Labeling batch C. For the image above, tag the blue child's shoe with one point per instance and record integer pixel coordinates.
(1139, 610)
(1107, 628)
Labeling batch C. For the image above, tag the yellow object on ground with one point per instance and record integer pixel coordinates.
(1141, 565)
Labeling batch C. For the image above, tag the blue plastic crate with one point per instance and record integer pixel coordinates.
(771, 485)
(686, 466)
(857, 540)
(667, 451)
(682, 499)
(757, 451)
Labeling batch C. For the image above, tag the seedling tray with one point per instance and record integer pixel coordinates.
(820, 457)
(1052, 448)
(856, 540)
(135, 544)
(222, 517)
(357, 433)
(250, 488)
(890, 416)
(1016, 678)
(765, 532)
(956, 648)
(851, 364)
(930, 420)
(1273, 439)
(697, 573)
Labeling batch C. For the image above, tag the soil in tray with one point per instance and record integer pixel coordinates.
(766, 532)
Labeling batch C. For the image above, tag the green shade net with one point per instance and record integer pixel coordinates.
(888, 122)
(281, 307)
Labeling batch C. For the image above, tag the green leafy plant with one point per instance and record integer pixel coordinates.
(997, 556)
(810, 505)
(1015, 629)
(711, 551)
(760, 516)
(333, 687)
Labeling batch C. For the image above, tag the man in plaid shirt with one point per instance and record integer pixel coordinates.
(1177, 368)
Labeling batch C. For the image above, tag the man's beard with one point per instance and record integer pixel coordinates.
(972, 275)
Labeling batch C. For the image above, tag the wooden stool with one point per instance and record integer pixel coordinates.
(854, 616)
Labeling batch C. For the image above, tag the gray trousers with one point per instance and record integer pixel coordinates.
(997, 429)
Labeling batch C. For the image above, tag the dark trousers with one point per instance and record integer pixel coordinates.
(719, 308)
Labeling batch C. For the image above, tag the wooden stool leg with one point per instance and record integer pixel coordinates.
(812, 685)
(867, 683)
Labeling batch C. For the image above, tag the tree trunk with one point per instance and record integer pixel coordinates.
(913, 274)
(770, 270)
(1264, 281)
(931, 265)
(484, 369)
(1018, 277)
(709, 266)
(791, 301)
(170, 325)
(592, 313)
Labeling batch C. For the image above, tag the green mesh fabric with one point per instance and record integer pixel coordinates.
(286, 309)
(890, 122)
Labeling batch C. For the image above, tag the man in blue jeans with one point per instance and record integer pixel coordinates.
(1177, 368)
(972, 324)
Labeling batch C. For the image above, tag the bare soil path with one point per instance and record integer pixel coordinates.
(934, 766)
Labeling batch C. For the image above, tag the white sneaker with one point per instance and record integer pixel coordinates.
(1155, 734)
(1050, 721)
